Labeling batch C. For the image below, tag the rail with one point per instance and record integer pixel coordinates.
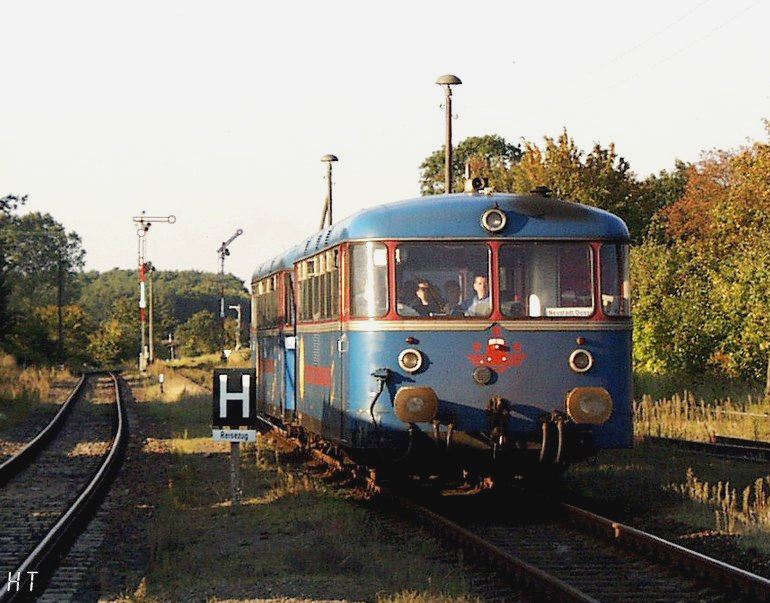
(74, 518)
(27, 454)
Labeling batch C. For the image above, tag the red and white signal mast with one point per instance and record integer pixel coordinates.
(143, 224)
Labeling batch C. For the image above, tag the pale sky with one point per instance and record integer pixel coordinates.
(219, 112)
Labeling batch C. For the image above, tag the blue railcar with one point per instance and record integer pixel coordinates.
(488, 332)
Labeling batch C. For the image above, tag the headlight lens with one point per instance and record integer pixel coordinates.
(415, 404)
(410, 360)
(581, 361)
(592, 405)
(493, 220)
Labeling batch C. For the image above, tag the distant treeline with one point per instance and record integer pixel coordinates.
(41, 277)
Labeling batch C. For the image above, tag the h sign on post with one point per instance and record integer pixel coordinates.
(235, 398)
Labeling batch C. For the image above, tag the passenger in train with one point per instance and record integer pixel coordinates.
(453, 297)
(481, 303)
(428, 300)
(404, 299)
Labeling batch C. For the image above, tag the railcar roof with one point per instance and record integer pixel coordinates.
(458, 216)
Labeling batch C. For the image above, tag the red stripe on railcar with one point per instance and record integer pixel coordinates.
(318, 375)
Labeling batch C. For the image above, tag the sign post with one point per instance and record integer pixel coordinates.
(234, 417)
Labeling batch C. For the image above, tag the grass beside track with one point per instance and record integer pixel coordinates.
(291, 538)
(683, 496)
(26, 390)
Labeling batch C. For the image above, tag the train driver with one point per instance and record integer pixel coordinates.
(481, 303)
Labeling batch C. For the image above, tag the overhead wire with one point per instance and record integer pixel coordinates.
(673, 54)
(646, 40)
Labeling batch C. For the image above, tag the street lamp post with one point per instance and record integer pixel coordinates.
(328, 159)
(223, 252)
(448, 81)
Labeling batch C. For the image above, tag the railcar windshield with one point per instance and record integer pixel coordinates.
(616, 288)
(550, 280)
(443, 280)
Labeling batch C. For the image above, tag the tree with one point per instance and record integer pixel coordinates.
(40, 253)
(116, 338)
(489, 156)
(39, 256)
(200, 334)
(601, 178)
(107, 345)
(6, 317)
(701, 281)
(661, 191)
(8, 205)
(76, 328)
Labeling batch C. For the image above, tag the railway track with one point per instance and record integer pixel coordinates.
(563, 552)
(723, 446)
(50, 487)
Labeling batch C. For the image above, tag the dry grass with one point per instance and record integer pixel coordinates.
(743, 511)
(21, 389)
(410, 596)
(677, 492)
(292, 538)
(690, 418)
(239, 359)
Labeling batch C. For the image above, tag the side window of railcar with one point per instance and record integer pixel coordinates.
(616, 287)
(449, 280)
(368, 280)
(552, 280)
(319, 287)
(266, 303)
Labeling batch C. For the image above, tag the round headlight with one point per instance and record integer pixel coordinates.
(493, 220)
(410, 360)
(592, 405)
(581, 361)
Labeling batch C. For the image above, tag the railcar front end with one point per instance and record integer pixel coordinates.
(519, 354)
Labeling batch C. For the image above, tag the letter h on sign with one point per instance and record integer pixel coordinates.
(235, 398)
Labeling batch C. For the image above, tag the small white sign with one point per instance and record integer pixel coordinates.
(579, 312)
(234, 435)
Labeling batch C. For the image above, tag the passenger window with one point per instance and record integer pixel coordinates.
(319, 287)
(443, 280)
(368, 280)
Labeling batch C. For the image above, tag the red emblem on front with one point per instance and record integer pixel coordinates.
(498, 354)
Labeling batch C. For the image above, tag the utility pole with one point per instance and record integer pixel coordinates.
(448, 81)
(143, 223)
(328, 159)
(767, 381)
(238, 330)
(59, 304)
(223, 252)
